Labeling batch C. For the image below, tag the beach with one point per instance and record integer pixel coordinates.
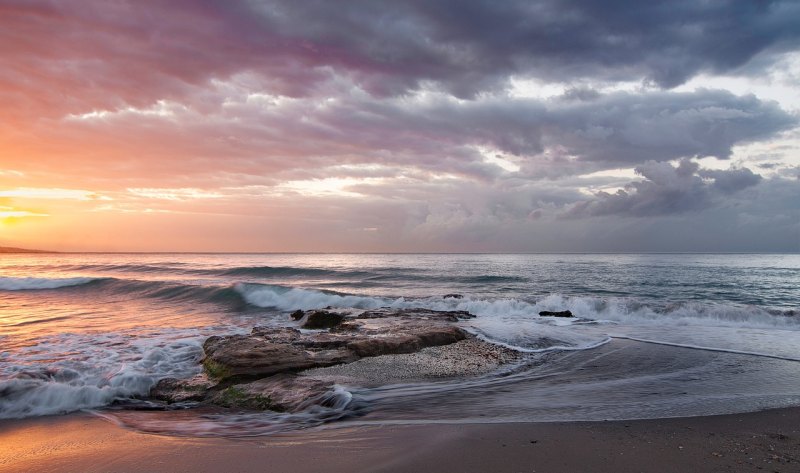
(415, 236)
(438, 363)
(760, 441)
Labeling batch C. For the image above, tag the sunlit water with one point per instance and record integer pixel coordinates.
(656, 335)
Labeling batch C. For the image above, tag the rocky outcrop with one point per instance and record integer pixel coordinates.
(321, 319)
(562, 313)
(267, 351)
(259, 370)
(470, 357)
(173, 390)
(280, 393)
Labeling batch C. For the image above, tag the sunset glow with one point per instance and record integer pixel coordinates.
(272, 126)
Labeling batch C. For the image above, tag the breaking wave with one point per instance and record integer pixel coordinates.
(593, 308)
(331, 406)
(28, 284)
(289, 298)
(70, 386)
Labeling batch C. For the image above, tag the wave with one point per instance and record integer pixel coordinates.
(168, 291)
(487, 279)
(29, 284)
(174, 292)
(289, 271)
(292, 298)
(68, 387)
(140, 268)
(289, 298)
(336, 404)
(593, 308)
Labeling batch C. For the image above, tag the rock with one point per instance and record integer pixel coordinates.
(297, 315)
(320, 319)
(452, 296)
(418, 314)
(563, 313)
(406, 342)
(470, 357)
(280, 393)
(268, 351)
(174, 390)
(246, 355)
(260, 370)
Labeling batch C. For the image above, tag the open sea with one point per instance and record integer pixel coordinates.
(655, 335)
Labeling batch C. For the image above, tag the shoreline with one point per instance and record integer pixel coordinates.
(758, 441)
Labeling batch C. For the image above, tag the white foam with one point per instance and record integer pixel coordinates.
(304, 299)
(70, 386)
(594, 308)
(24, 284)
(586, 346)
(333, 405)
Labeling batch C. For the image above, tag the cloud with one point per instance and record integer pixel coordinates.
(318, 118)
(241, 137)
(732, 180)
(667, 190)
(112, 55)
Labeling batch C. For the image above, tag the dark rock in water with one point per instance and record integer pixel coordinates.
(280, 393)
(297, 315)
(452, 296)
(412, 341)
(267, 351)
(238, 355)
(319, 319)
(345, 327)
(562, 313)
(258, 370)
(181, 390)
(424, 314)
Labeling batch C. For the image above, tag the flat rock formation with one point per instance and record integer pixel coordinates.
(287, 369)
(469, 357)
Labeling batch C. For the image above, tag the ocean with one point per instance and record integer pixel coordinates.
(655, 335)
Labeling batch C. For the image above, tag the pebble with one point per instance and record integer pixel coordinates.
(469, 357)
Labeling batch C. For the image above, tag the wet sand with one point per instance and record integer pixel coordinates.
(762, 441)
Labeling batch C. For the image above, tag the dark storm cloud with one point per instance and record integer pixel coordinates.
(107, 54)
(469, 45)
(409, 104)
(631, 128)
(733, 180)
(668, 190)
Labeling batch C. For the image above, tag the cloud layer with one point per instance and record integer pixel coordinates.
(398, 126)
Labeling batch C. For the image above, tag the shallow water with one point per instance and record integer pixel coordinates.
(714, 333)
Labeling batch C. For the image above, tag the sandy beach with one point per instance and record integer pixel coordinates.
(761, 441)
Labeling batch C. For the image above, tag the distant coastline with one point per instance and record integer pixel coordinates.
(9, 249)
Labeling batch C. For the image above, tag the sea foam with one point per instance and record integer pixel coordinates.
(601, 309)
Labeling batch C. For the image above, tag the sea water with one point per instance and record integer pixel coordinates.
(655, 335)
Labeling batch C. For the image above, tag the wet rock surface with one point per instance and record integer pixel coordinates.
(280, 393)
(319, 319)
(268, 368)
(469, 357)
(173, 390)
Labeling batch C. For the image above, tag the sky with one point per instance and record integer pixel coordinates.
(400, 126)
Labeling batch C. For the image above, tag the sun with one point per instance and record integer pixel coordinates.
(10, 215)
